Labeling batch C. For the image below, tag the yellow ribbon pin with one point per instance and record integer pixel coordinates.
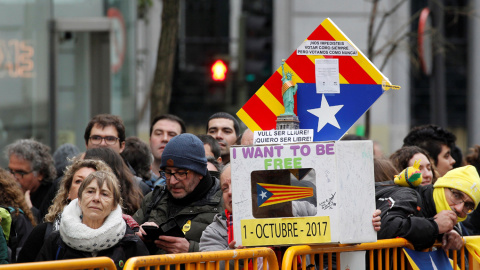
(187, 226)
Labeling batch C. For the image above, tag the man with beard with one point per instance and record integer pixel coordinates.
(191, 197)
(225, 129)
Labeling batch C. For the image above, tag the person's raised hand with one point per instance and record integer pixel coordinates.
(445, 220)
(27, 199)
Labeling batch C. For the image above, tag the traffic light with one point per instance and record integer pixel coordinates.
(219, 71)
(219, 80)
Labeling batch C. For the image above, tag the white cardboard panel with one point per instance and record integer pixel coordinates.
(344, 185)
(356, 191)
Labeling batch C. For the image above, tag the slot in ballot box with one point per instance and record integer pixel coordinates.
(319, 192)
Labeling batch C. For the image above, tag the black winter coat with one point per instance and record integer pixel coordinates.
(19, 232)
(408, 213)
(129, 246)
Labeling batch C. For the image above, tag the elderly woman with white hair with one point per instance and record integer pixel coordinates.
(92, 225)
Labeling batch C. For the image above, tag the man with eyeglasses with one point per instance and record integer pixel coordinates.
(427, 213)
(105, 130)
(190, 198)
(31, 163)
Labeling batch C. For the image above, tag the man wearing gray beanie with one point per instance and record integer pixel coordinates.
(191, 198)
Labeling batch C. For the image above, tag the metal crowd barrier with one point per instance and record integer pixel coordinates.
(454, 255)
(206, 260)
(383, 254)
(88, 263)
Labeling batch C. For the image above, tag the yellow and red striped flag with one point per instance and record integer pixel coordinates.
(268, 194)
(361, 84)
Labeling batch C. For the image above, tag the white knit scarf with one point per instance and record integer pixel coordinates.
(81, 237)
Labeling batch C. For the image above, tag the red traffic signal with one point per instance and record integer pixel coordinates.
(219, 71)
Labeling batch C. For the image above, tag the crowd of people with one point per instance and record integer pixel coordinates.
(443, 206)
(123, 198)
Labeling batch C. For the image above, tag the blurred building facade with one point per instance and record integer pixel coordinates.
(61, 62)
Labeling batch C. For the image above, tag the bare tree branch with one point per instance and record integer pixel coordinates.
(373, 15)
(406, 26)
(374, 39)
(388, 55)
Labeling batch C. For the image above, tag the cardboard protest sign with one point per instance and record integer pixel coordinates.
(290, 188)
(303, 193)
(337, 84)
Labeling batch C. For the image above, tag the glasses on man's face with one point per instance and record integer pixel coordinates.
(19, 174)
(457, 198)
(96, 139)
(179, 176)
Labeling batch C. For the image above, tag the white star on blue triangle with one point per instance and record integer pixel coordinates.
(341, 110)
(262, 195)
(326, 114)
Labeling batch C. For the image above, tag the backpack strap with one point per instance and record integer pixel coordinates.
(11, 210)
(157, 195)
(13, 242)
(58, 252)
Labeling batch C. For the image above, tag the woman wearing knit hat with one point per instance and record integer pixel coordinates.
(428, 213)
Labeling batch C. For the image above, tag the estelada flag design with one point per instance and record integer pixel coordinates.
(473, 246)
(428, 260)
(268, 194)
(330, 115)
